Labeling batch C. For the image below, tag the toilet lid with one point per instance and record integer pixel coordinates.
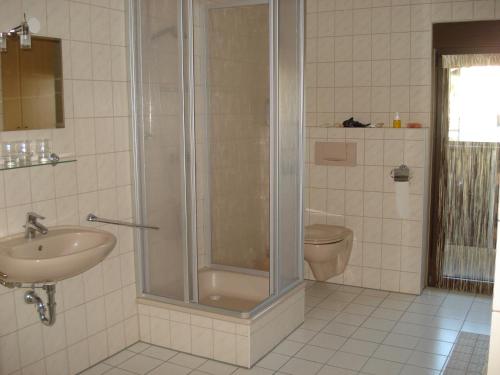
(318, 234)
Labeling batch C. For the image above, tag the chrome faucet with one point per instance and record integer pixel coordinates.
(32, 225)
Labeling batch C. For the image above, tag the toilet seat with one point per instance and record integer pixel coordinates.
(327, 249)
(321, 234)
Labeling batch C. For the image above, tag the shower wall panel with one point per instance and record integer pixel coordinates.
(289, 143)
(232, 132)
(162, 148)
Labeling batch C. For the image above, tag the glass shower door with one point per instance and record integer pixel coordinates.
(248, 125)
(160, 142)
(231, 75)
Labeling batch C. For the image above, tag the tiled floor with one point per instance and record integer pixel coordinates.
(347, 331)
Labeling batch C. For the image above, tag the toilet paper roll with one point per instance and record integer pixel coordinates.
(403, 199)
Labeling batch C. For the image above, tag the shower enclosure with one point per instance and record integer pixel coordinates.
(217, 94)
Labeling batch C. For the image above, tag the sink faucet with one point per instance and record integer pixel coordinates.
(32, 225)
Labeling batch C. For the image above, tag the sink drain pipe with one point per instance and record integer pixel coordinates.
(46, 313)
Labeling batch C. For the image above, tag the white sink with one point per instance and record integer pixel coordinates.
(64, 252)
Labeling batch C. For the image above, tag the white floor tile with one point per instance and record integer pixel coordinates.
(348, 361)
(119, 358)
(254, 371)
(388, 314)
(430, 299)
(351, 319)
(187, 360)
(159, 353)
(421, 308)
(368, 334)
(313, 324)
(482, 329)
(351, 289)
(312, 301)
(395, 304)
(297, 366)
(447, 323)
(333, 304)
(301, 335)
(380, 324)
(415, 318)
(450, 312)
(340, 329)
(430, 291)
(402, 341)
(392, 353)
(98, 369)
(140, 364)
(319, 291)
(483, 317)
(170, 369)
(216, 368)
(432, 333)
(415, 370)
(329, 370)
(324, 314)
(456, 299)
(315, 354)
(359, 347)
(381, 367)
(340, 295)
(358, 309)
(273, 361)
(402, 297)
(288, 347)
(138, 347)
(368, 300)
(435, 347)
(427, 360)
(328, 341)
(375, 293)
(409, 329)
(119, 371)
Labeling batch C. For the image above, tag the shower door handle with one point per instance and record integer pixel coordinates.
(94, 219)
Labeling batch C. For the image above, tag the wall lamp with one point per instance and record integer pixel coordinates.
(24, 31)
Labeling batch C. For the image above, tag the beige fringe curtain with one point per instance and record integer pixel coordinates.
(463, 61)
(467, 204)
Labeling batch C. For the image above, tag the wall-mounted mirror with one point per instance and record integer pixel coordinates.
(32, 85)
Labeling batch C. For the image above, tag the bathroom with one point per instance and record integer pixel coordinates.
(215, 282)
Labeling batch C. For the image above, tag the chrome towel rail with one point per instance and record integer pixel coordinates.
(93, 218)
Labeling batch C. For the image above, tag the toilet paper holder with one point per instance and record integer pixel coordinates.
(401, 174)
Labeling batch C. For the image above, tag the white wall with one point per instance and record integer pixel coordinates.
(369, 59)
(387, 248)
(364, 57)
(96, 311)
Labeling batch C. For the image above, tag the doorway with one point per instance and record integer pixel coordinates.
(464, 203)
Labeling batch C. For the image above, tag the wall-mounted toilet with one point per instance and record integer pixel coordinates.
(327, 249)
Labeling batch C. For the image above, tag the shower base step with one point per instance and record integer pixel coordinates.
(223, 337)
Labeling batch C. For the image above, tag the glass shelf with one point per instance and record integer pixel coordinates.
(38, 164)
